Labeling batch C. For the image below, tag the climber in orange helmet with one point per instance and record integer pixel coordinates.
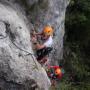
(55, 73)
(46, 47)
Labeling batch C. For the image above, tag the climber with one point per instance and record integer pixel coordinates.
(55, 73)
(43, 50)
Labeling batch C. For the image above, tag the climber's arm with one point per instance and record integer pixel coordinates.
(39, 33)
(39, 46)
(55, 67)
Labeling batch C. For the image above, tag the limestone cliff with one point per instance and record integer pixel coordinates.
(19, 70)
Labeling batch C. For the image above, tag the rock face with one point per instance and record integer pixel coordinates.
(50, 12)
(19, 70)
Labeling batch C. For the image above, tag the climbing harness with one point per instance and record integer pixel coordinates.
(43, 52)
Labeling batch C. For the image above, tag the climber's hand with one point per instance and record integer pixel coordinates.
(34, 33)
(34, 40)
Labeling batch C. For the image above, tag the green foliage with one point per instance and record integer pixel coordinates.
(77, 72)
(77, 47)
(77, 22)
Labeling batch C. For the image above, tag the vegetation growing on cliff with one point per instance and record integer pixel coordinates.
(77, 46)
(78, 22)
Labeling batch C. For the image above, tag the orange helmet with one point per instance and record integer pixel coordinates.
(58, 71)
(48, 30)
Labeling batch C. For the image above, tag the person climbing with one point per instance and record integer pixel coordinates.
(55, 73)
(43, 50)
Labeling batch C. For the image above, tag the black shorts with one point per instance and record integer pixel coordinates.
(41, 53)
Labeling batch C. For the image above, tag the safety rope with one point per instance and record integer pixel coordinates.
(3, 37)
(29, 53)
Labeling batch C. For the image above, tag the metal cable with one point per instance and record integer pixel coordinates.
(28, 53)
(24, 51)
(3, 37)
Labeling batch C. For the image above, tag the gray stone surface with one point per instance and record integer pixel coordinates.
(19, 70)
(51, 12)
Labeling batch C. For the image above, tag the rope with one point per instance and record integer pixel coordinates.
(3, 37)
(24, 51)
(29, 53)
